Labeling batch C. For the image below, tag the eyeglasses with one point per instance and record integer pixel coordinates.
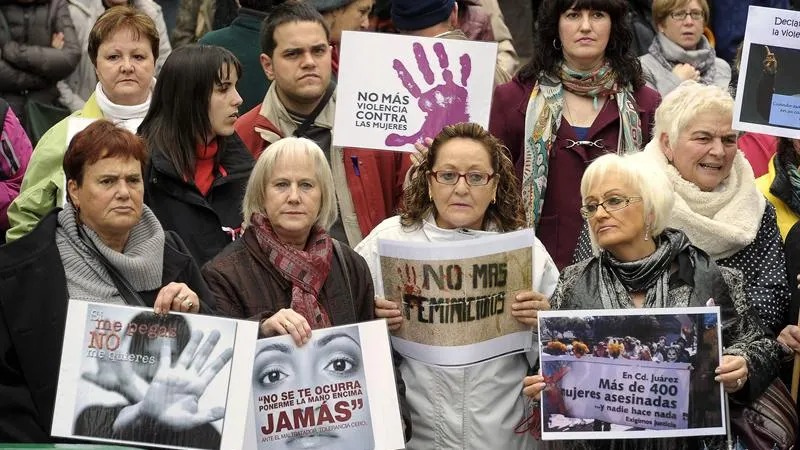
(451, 177)
(681, 15)
(613, 203)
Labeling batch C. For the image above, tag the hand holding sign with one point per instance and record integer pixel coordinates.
(385, 309)
(732, 373)
(533, 386)
(443, 104)
(527, 305)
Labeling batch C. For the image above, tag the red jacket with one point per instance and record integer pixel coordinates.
(561, 221)
(374, 177)
(758, 149)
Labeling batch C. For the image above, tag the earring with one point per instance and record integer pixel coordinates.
(494, 200)
(647, 232)
(556, 44)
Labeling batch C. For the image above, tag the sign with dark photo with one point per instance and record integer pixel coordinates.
(613, 374)
(130, 376)
(768, 92)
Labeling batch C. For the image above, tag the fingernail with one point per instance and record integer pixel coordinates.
(717, 378)
(716, 370)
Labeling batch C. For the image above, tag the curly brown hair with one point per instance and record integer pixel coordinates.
(506, 212)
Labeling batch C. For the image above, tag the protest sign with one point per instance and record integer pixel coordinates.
(455, 297)
(768, 91)
(396, 90)
(627, 374)
(130, 376)
(336, 391)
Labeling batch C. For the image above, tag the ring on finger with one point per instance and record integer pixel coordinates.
(739, 383)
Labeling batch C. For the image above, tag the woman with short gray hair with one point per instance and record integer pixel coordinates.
(717, 203)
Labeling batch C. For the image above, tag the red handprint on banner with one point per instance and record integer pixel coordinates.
(444, 104)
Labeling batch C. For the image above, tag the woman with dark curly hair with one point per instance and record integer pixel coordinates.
(465, 189)
(581, 96)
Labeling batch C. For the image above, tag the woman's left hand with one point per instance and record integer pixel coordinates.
(527, 305)
(732, 373)
(176, 297)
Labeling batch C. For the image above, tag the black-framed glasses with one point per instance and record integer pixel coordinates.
(451, 177)
(613, 203)
(681, 15)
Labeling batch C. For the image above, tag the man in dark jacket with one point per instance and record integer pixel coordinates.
(242, 38)
(38, 47)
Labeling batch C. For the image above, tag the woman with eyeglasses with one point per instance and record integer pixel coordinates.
(718, 205)
(465, 189)
(680, 51)
(640, 263)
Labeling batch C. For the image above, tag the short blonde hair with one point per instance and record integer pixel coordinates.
(662, 9)
(681, 106)
(641, 173)
(255, 194)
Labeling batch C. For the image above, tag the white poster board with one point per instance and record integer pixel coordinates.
(768, 92)
(336, 391)
(396, 90)
(455, 297)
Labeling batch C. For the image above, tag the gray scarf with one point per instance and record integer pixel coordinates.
(141, 261)
(670, 54)
(650, 274)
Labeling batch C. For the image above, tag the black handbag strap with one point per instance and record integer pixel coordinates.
(337, 249)
(303, 128)
(125, 289)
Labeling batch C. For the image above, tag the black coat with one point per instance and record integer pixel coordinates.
(33, 310)
(792, 248)
(198, 219)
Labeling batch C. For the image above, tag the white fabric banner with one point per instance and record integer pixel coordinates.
(640, 394)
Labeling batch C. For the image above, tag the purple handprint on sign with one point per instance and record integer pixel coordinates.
(445, 104)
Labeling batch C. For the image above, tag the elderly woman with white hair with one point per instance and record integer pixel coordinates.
(286, 271)
(640, 263)
(717, 203)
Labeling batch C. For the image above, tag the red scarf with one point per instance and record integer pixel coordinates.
(204, 166)
(335, 60)
(306, 269)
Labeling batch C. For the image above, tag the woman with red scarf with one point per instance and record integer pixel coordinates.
(286, 271)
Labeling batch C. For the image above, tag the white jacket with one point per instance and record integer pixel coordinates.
(463, 408)
(78, 86)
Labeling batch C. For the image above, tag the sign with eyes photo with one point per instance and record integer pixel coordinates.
(327, 393)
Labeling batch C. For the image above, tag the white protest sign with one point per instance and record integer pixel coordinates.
(658, 392)
(456, 297)
(395, 90)
(768, 91)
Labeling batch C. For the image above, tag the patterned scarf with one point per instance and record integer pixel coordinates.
(543, 117)
(670, 54)
(306, 269)
(649, 274)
